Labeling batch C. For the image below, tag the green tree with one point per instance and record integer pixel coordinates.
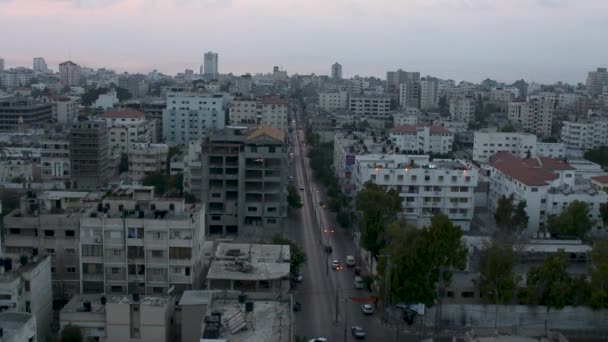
(293, 197)
(345, 218)
(508, 129)
(496, 275)
(510, 217)
(598, 270)
(71, 333)
(572, 221)
(379, 209)
(422, 259)
(604, 213)
(297, 256)
(598, 156)
(550, 284)
(165, 183)
(124, 163)
(122, 94)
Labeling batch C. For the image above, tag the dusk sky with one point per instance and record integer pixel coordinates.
(539, 40)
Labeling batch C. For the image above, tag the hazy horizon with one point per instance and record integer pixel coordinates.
(538, 40)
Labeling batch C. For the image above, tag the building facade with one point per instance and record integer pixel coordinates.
(127, 127)
(55, 158)
(585, 135)
(190, 116)
(596, 80)
(333, 100)
(429, 92)
(147, 158)
(422, 139)
(39, 65)
(534, 117)
(69, 74)
(273, 112)
(210, 65)
(336, 71)
(462, 109)
(22, 114)
(370, 107)
(425, 188)
(90, 163)
(409, 94)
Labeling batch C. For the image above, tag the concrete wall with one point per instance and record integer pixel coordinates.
(483, 316)
(192, 316)
(153, 327)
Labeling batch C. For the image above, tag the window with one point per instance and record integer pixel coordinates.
(413, 177)
(49, 233)
(70, 269)
(440, 178)
(50, 251)
(534, 189)
(468, 294)
(400, 177)
(252, 209)
(70, 251)
(271, 221)
(157, 254)
(116, 289)
(27, 285)
(454, 189)
(568, 175)
(373, 177)
(91, 250)
(386, 177)
(427, 178)
(467, 179)
(454, 178)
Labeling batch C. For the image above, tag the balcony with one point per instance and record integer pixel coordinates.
(156, 243)
(180, 262)
(156, 261)
(92, 259)
(180, 243)
(114, 242)
(115, 277)
(182, 279)
(92, 277)
(136, 277)
(151, 278)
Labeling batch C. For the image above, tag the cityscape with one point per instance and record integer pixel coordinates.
(300, 203)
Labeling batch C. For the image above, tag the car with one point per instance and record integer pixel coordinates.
(291, 177)
(367, 309)
(302, 187)
(328, 249)
(350, 261)
(358, 332)
(299, 277)
(318, 339)
(335, 264)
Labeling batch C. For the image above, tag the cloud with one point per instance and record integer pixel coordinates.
(553, 3)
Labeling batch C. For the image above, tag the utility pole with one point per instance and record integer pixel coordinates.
(337, 284)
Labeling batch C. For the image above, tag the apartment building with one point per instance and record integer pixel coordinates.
(522, 145)
(422, 139)
(585, 135)
(370, 107)
(429, 92)
(107, 318)
(134, 241)
(191, 116)
(409, 94)
(596, 80)
(126, 127)
(69, 74)
(273, 112)
(452, 126)
(547, 185)
(534, 117)
(336, 71)
(462, 109)
(55, 157)
(244, 182)
(18, 114)
(147, 158)
(18, 326)
(426, 188)
(25, 285)
(395, 78)
(333, 100)
(64, 109)
(244, 111)
(90, 163)
(47, 225)
(16, 77)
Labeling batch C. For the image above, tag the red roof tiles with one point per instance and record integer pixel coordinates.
(533, 171)
(124, 113)
(276, 100)
(414, 128)
(600, 179)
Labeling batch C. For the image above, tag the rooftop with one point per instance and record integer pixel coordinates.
(272, 132)
(536, 171)
(600, 179)
(415, 128)
(276, 100)
(253, 252)
(124, 113)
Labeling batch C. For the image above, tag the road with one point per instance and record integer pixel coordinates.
(323, 287)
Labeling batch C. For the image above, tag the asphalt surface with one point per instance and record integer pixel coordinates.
(322, 284)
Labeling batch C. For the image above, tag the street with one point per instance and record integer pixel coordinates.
(322, 286)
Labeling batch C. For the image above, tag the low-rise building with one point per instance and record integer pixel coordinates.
(238, 316)
(120, 318)
(486, 144)
(126, 127)
(452, 126)
(273, 112)
(333, 100)
(370, 107)
(547, 185)
(25, 287)
(147, 158)
(425, 187)
(244, 111)
(18, 327)
(106, 101)
(422, 139)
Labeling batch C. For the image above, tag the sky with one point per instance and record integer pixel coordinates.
(538, 40)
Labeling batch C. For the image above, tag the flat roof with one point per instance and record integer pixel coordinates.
(248, 271)
(253, 252)
(196, 297)
(13, 320)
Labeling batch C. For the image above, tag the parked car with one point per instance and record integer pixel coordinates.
(367, 309)
(358, 282)
(358, 270)
(350, 261)
(301, 187)
(335, 264)
(358, 332)
(299, 277)
(318, 339)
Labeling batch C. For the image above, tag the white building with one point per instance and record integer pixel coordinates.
(585, 135)
(429, 92)
(452, 126)
(547, 185)
(106, 101)
(190, 116)
(462, 109)
(409, 94)
(422, 139)
(120, 318)
(210, 64)
(1, 64)
(566, 100)
(244, 111)
(55, 158)
(64, 109)
(370, 107)
(39, 65)
(273, 112)
(18, 327)
(400, 119)
(147, 158)
(332, 100)
(522, 145)
(135, 241)
(127, 126)
(596, 80)
(534, 117)
(426, 188)
(25, 287)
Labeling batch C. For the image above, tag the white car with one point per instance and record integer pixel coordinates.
(318, 339)
(302, 187)
(367, 309)
(335, 264)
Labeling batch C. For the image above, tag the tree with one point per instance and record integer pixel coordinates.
(572, 221)
(423, 258)
(604, 213)
(379, 208)
(598, 270)
(508, 129)
(164, 183)
(124, 163)
(550, 284)
(297, 256)
(122, 94)
(345, 218)
(510, 217)
(598, 156)
(293, 197)
(496, 275)
(71, 333)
